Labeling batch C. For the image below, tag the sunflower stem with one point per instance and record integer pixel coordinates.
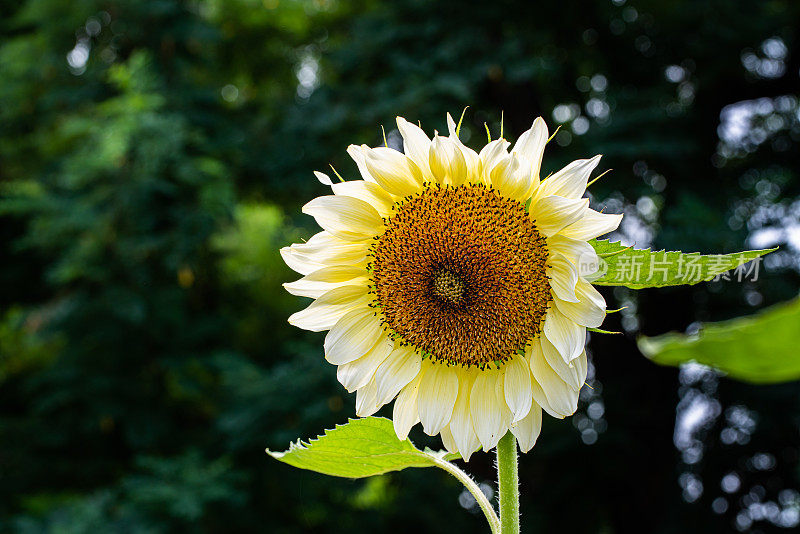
(508, 484)
(475, 490)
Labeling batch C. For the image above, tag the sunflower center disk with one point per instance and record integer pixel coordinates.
(447, 286)
(460, 274)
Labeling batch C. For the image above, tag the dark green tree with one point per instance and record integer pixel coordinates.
(151, 153)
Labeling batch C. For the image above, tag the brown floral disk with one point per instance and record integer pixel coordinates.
(460, 274)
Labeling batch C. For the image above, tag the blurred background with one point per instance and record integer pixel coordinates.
(154, 155)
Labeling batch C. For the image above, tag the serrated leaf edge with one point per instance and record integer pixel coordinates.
(427, 453)
(763, 251)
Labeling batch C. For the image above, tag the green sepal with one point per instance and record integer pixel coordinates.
(601, 331)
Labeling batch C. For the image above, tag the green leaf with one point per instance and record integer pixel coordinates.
(638, 269)
(760, 348)
(360, 448)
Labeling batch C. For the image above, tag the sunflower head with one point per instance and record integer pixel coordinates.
(450, 281)
(460, 273)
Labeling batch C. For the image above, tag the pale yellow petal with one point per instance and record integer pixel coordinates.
(566, 336)
(471, 157)
(511, 178)
(359, 155)
(530, 145)
(560, 398)
(394, 171)
(563, 277)
(589, 311)
(565, 371)
(405, 413)
(353, 336)
(570, 182)
(490, 155)
(308, 263)
(299, 263)
(358, 373)
(527, 430)
(540, 399)
(582, 365)
(323, 178)
(400, 368)
(345, 217)
(486, 408)
(324, 312)
(437, 395)
(592, 224)
(517, 387)
(447, 440)
(321, 281)
(505, 412)
(326, 249)
(447, 162)
(367, 400)
(553, 213)
(416, 145)
(461, 422)
(580, 253)
(371, 193)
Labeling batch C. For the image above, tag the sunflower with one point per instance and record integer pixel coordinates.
(451, 281)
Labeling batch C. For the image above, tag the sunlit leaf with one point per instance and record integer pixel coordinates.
(360, 448)
(761, 348)
(639, 269)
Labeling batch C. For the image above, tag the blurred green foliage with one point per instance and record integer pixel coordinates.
(153, 157)
(761, 349)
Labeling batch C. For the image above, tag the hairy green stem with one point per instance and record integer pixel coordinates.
(483, 502)
(508, 484)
